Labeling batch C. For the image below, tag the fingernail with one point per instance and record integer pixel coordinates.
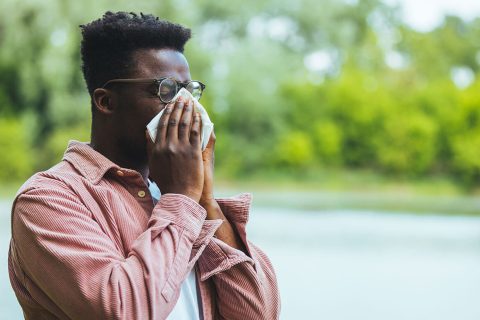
(180, 99)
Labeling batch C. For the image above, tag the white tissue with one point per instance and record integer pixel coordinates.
(207, 124)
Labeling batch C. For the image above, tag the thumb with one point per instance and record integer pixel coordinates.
(211, 140)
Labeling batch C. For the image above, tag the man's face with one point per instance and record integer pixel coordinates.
(138, 103)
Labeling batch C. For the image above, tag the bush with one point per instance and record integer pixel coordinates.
(464, 135)
(466, 155)
(17, 157)
(407, 144)
(53, 150)
(295, 149)
(328, 142)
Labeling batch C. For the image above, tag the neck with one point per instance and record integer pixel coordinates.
(118, 155)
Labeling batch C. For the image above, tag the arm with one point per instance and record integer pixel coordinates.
(243, 276)
(66, 255)
(245, 281)
(225, 232)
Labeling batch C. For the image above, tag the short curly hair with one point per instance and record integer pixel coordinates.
(108, 43)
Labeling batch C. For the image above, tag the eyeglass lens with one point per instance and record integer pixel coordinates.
(168, 89)
(195, 89)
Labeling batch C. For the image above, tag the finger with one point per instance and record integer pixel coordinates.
(211, 141)
(195, 136)
(209, 153)
(186, 122)
(172, 130)
(163, 124)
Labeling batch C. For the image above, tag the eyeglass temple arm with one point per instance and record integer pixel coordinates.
(147, 80)
(140, 80)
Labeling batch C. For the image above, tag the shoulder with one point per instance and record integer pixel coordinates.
(49, 198)
(62, 176)
(56, 183)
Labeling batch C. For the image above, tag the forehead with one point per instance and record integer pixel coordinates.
(158, 63)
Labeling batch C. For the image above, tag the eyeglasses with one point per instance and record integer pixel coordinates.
(167, 88)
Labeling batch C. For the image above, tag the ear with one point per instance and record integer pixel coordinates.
(104, 101)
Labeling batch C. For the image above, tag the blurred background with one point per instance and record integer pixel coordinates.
(354, 123)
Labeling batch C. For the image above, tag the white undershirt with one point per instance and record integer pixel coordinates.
(186, 307)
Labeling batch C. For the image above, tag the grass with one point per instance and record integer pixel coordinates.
(349, 180)
(343, 189)
(360, 190)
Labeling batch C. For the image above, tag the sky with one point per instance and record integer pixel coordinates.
(424, 15)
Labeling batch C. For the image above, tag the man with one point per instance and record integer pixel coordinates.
(92, 238)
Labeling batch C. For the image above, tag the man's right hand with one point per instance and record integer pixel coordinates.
(175, 159)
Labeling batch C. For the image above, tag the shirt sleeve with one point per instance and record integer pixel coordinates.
(65, 254)
(245, 283)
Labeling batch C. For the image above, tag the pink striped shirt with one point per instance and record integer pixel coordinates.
(88, 243)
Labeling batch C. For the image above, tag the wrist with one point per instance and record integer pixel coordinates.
(213, 209)
(208, 202)
(195, 196)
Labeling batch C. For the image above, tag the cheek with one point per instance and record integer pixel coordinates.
(152, 111)
(137, 109)
(138, 112)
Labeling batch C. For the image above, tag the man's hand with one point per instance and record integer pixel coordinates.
(226, 232)
(208, 156)
(175, 159)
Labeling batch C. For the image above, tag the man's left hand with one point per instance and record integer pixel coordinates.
(225, 232)
(207, 199)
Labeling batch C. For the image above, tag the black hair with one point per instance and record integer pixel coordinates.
(108, 43)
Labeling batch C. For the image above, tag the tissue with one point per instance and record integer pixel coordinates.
(207, 124)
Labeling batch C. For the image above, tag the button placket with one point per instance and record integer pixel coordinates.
(132, 182)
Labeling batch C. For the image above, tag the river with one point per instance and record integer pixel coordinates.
(353, 264)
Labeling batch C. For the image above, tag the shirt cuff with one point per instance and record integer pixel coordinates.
(237, 210)
(206, 235)
(181, 211)
(219, 257)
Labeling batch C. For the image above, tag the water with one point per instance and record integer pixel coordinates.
(364, 265)
(9, 308)
(347, 264)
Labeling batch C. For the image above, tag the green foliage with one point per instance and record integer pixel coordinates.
(360, 122)
(16, 158)
(464, 138)
(407, 143)
(294, 149)
(466, 155)
(328, 140)
(52, 151)
(272, 111)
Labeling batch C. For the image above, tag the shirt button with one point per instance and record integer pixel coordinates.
(141, 194)
(120, 173)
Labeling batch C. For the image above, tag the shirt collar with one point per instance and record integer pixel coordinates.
(90, 163)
